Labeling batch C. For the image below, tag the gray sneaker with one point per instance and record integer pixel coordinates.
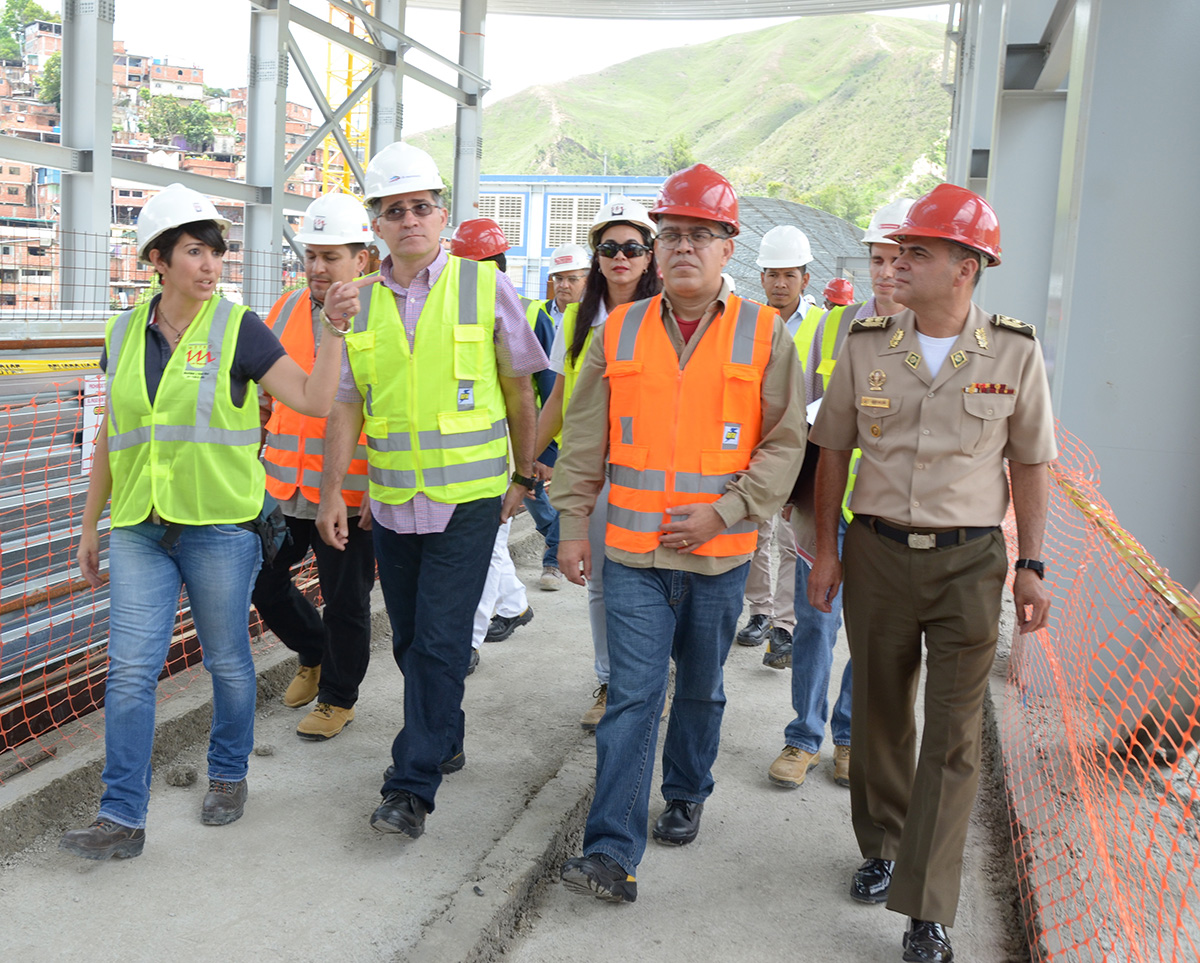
(224, 802)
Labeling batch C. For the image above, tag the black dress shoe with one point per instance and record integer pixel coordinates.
(502, 626)
(754, 632)
(927, 942)
(679, 823)
(400, 812)
(872, 880)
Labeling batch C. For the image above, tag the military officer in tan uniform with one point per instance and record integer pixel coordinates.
(937, 397)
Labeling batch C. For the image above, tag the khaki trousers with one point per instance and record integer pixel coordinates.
(780, 603)
(918, 815)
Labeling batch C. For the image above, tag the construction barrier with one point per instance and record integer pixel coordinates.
(1098, 723)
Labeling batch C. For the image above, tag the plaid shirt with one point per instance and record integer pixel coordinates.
(517, 353)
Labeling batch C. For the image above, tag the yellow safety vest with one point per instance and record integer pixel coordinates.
(192, 455)
(804, 339)
(571, 369)
(437, 426)
(808, 330)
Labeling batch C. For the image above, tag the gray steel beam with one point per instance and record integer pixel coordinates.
(387, 100)
(87, 126)
(468, 132)
(216, 187)
(1056, 38)
(41, 154)
(266, 115)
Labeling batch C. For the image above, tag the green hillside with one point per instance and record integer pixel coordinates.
(840, 112)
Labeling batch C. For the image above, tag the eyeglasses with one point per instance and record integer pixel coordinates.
(569, 278)
(630, 249)
(697, 239)
(422, 209)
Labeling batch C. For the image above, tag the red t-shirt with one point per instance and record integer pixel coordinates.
(687, 328)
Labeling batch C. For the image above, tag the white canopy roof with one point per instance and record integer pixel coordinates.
(677, 9)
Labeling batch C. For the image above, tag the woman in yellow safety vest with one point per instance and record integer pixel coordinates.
(623, 270)
(178, 453)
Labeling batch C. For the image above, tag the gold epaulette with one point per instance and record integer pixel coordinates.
(870, 324)
(1003, 321)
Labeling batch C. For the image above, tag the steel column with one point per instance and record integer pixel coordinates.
(87, 126)
(468, 129)
(266, 152)
(387, 104)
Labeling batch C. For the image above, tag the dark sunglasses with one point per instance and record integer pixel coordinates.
(630, 249)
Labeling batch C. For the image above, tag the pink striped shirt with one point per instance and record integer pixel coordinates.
(517, 353)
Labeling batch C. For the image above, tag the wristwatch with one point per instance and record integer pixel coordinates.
(1034, 565)
(524, 480)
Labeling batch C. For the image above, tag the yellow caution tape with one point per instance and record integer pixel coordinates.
(37, 367)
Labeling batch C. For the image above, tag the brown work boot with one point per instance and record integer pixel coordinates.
(104, 839)
(324, 722)
(303, 687)
(792, 766)
(224, 802)
(841, 765)
(592, 717)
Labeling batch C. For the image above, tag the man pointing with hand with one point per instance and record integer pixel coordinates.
(439, 358)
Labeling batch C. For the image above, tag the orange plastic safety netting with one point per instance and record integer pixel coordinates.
(1098, 722)
(53, 625)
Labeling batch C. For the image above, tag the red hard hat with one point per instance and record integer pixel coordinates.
(839, 291)
(698, 191)
(477, 239)
(954, 214)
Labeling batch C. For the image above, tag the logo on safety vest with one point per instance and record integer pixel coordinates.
(195, 359)
(466, 398)
(731, 435)
(318, 223)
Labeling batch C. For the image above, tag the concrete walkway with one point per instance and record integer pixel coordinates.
(302, 876)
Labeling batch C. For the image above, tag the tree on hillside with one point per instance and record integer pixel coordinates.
(50, 83)
(678, 155)
(168, 118)
(16, 14)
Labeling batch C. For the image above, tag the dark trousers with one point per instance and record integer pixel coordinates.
(915, 809)
(339, 639)
(431, 585)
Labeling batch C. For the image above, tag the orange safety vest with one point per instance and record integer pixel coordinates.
(295, 451)
(679, 436)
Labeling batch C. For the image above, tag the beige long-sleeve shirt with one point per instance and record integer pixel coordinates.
(755, 494)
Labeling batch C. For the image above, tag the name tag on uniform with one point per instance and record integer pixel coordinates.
(868, 402)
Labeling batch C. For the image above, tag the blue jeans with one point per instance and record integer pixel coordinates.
(431, 586)
(545, 518)
(655, 615)
(218, 564)
(812, 663)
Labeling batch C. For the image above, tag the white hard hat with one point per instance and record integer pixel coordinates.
(886, 220)
(619, 208)
(400, 168)
(335, 218)
(174, 206)
(569, 257)
(784, 246)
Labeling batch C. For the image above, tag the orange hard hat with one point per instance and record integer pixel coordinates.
(954, 214)
(839, 291)
(698, 191)
(477, 239)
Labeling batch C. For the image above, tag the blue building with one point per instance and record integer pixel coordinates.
(538, 214)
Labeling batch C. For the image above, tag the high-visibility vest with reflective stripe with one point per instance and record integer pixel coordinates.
(829, 338)
(294, 454)
(434, 415)
(192, 455)
(532, 307)
(571, 368)
(679, 436)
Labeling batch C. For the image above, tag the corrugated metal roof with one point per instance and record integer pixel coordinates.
(830, 237)
(676, 9)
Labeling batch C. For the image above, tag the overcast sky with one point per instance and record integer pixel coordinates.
(518, 52)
